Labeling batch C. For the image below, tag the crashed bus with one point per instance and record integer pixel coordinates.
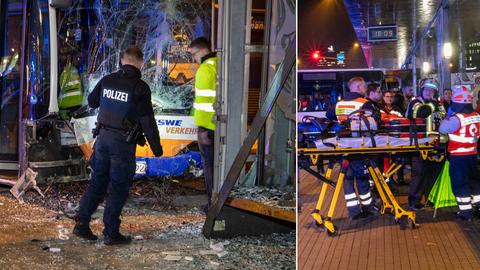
(44, 138)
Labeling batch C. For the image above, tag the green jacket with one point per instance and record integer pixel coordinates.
(70, 88)
(205, 93)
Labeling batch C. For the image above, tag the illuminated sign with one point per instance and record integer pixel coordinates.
(382, 33)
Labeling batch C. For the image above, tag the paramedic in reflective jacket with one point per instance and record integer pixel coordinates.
(120, 96)
(463, 129)
(361, 206)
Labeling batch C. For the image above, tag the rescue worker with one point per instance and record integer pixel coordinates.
(424, 172)
(463, 129)
(203, 110)
(355, 100)
(71, 95)
(122, 97)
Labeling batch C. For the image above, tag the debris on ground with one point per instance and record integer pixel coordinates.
(168, 236)
(268, 196)
(214, 263)
(54, 250)
(138, 238)
(172, 258)
(174, 253)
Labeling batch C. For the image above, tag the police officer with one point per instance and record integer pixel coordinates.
(355, 100)
(463, 129)
(203, 111)
(424, 172)
(122, 97)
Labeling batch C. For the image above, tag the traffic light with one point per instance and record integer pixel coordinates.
(316, 55)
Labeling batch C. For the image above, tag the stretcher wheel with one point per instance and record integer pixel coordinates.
(403, 222)
(318, 224)
(334, 233)
(411, 224)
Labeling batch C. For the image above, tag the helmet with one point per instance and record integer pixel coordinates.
(462, 95)
(430, 83)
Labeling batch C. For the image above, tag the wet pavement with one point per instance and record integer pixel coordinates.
(167, 231)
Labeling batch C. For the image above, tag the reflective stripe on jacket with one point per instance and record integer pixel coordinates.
(390, 114)
(71, 94)
(205, 94)
(344, 108)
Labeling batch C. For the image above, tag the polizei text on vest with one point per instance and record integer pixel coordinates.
(114, 94)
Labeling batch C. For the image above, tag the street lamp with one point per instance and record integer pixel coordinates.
(447, 50)
(426, 67)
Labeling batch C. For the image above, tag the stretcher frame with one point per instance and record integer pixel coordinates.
(310, 156)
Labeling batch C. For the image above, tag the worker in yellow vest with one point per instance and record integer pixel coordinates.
(71, 95)
(203, 111)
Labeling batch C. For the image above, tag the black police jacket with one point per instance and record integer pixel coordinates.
(122, 95)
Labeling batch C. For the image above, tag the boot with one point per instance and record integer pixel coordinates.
(476, 210)
(117, 240)
(83, 231)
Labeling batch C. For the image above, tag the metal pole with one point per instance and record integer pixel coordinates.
(219, 146)
(263, 90)
(439, 47)
(212, 27)
(461, 46)
(3, 40)
(52, 21)
(424, 34)
(246, 72)
(447, 78)
(235, 115)
(414, 41)
(22, 155)
(3, 28)
(442, 38)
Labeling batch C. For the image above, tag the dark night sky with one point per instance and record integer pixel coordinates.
(322, 23)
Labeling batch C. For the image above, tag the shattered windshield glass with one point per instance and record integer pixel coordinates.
(97, 32)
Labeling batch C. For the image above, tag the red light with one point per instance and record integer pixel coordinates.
(316, 55)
